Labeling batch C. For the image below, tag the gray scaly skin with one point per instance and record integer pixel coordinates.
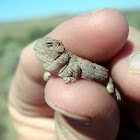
(56, 60)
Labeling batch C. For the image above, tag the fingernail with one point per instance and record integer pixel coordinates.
(135, 63)
(73, 116)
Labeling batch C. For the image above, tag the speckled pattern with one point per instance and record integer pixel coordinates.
(56, 60)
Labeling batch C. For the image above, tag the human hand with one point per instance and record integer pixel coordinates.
(92, 112)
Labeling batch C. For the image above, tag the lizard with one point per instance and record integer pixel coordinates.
(56, 60)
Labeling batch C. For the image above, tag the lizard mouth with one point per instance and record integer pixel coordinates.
(39, 51)
(58, 55)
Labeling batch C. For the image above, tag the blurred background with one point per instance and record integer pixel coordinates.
(21, 22)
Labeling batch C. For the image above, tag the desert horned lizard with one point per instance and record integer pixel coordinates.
(56, 60)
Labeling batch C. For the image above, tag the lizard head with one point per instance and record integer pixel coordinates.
(48, 44)
(48, 49)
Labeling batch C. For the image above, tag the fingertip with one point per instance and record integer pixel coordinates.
(126, 67)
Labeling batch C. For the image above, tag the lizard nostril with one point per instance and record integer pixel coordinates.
(37, 43)
(59, 44)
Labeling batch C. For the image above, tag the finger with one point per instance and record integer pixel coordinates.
(125, 67)
(84, 100)
(27, 106)
(27, 90)
(93, 36)
(126, 72)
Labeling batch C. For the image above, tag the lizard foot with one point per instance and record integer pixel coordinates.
(46, 76)
(69, 79)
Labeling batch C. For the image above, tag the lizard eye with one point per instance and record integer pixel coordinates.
(48, 44)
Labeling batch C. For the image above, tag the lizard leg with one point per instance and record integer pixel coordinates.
(69, 79)
(118, 94)
(110, 88)
(46, 76)
(70, 73)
